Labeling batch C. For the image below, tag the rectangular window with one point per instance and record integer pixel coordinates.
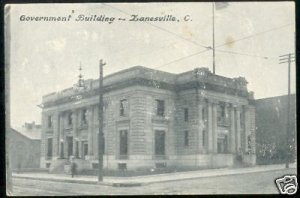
(221, 112)
(186, 114)
(69, 140)
(242, 120)
(160, 104)
(70, 120)
(123, 143)
(83, 116)
(49, 121)
(85, 149)
(186, 138)
(122, 166)
(160, 143)
(203, 138)
(203, 114)
(123, 107)
(49, 147)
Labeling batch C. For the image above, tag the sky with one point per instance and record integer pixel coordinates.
(45, 56)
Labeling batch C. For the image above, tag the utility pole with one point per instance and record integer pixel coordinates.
(288, 58)
(100, 116)
(213, 28)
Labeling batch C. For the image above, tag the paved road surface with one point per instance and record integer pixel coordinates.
(254, 183)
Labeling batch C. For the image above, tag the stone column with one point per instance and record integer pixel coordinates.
(75, 132)
(200, 127)
(90, 116)
(80, 154)
(232, 130)
(214, 128)
(95, 131)
(44, 140)
(238, 128)
(61, 136)
(246, 129)
(55, 134)
(210, 129)
(227, 115)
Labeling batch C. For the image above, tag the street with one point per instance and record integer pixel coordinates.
(250, 183)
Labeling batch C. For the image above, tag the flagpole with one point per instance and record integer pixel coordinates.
(213, 27)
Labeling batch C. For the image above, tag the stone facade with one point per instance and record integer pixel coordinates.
(151, 119)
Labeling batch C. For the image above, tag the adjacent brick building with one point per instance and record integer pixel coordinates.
(25, 149)
(271, 127)
(151, 119)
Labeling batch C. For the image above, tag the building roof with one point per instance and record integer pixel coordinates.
(30, 130)
(143, 76)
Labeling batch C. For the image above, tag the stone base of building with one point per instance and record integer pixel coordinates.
(249, 159)
(139, 162)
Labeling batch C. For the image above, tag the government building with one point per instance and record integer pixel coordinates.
(152, 119)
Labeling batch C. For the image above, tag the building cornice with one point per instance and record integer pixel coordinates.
(147, 83)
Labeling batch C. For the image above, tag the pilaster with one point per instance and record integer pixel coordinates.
(232, 130)
(55, 134)
(214, 128)
(246, 128)
(90, 116)
(61, 136)
(210, 129)
(238, 129)
(75, 132)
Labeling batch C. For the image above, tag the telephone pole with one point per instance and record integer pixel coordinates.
(213, 32)
(288, 58)
(100, 116)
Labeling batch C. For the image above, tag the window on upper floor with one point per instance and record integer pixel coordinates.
(70, 120)
(123, 107)
(203, 114)
(83, 116)
(49, 121)
(160, 105)
(242, 119)
(221, 111)
(186, 114)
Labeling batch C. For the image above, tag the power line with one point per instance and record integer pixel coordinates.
(243, 54)
(250, 36)
(207, 47)
(160, 28)
(236, 53)
(177, 60)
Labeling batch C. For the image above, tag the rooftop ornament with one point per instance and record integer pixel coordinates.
(241, 81)
(80, 86)
(202, 71)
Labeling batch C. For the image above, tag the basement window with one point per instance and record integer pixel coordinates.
(122, 166)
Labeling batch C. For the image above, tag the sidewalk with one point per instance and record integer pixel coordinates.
(148, 179)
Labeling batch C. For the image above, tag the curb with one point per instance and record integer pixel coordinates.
(66, 180)
(134, 184)
(221, 175)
